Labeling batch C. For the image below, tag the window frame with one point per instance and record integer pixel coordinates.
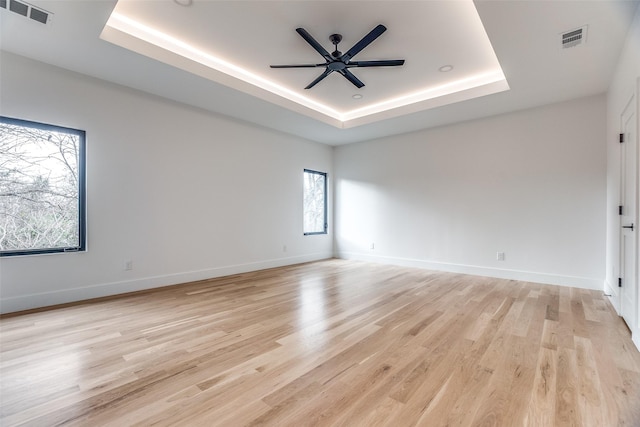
(325, 219)
(82, 188)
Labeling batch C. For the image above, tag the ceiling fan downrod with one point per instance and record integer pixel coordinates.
(335, 39)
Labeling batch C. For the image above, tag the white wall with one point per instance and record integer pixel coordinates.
(188, 195)
(623, 85)
(184, 194)
(531, 184)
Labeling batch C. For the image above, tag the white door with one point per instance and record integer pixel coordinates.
(628, 222)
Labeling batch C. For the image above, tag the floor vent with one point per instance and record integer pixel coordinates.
(574, 37)
(27, 10)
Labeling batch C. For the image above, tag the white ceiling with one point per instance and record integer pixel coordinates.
(524, 35)
(205, 37)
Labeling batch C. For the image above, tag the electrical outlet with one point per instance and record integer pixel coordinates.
(373, 246)
(500, 256)
(128, 265)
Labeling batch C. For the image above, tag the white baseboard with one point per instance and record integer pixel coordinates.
(26, 302)
(612, 293)
(525, 276)
(615, 301)
(45, 299)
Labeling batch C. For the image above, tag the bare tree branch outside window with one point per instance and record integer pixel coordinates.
(315, 203)
(40, 183)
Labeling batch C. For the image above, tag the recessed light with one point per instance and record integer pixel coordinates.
(357, 96)
(184, 2)
(445, 68)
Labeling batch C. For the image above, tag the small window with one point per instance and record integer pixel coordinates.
(315, 202)
(42, 188)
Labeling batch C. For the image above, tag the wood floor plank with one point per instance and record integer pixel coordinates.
(541, 408)
(567, 390)
(330, 343)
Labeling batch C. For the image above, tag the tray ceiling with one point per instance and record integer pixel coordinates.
(234, 42)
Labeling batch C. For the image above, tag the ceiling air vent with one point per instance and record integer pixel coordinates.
(574, 37)
(27, 10)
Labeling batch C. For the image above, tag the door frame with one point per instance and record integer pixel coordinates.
(635, 328)
(631, 318)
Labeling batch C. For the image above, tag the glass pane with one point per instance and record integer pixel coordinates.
(314, 202)
(39, 188)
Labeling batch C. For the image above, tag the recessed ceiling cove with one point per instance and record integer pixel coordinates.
(235, 42)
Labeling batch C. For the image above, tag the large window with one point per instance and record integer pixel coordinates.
(42, 188)
(315, 202)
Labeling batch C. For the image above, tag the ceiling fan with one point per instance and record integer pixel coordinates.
(339, 62)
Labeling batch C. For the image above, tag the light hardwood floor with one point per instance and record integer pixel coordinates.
(328, 343)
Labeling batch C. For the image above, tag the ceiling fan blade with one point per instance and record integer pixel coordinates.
(353, 79)
(366, 40)
(317, 46)
(321, 77)
(298, 66)
(383, 63)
